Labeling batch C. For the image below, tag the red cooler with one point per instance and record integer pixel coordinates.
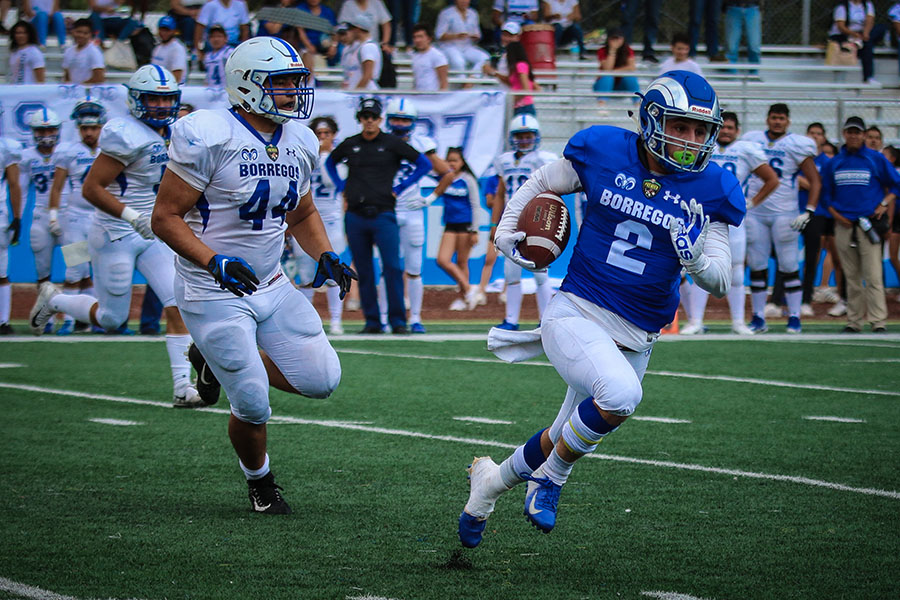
(540, 46)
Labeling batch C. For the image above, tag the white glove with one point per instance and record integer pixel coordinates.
(799, 224)
(140, 222)
(54, 226)
(507, 244)
(689, 236)
(417, 202)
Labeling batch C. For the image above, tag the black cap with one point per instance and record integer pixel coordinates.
(215, 27)
(854, 122)
(370, 106)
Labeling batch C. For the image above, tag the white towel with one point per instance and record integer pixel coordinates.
(515, 346)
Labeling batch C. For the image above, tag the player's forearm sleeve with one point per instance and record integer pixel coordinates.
(559, 177)
(423, 166)
(474, 202)
(715, 277)
(331, 168)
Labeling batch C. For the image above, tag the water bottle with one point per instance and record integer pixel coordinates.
(866, 225)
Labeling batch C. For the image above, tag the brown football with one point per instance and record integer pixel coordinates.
(546, 223)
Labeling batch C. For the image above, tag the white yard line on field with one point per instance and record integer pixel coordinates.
(657, 419)
(484, 420)
(835, 419)
(478, 442)
(20, 590)
(120, 422)
(10, 365)
(873, 360)
(669, 596)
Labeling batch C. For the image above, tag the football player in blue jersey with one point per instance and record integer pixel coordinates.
(655, 205)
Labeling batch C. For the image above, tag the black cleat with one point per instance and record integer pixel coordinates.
(265, 496)
(207, 385)
(6, 329)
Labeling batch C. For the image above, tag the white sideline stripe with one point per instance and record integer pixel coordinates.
(670, 596)
(874, 360)
(10, 365)
(729, 378)
(367, 597)
(484, 420)
(121, 422)
(21, 590)
(835, 419)
(658, 419)
(475, 441)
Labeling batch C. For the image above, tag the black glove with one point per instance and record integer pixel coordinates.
(16, 227)
(233, 274)
(331, 267)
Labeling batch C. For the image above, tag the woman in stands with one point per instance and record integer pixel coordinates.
(521, 79)
(616, 56)
(26, 61)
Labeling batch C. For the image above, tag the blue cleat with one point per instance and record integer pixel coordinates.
(758, 324)
(541, 501)
(416, 328)
(793, 325)
(68, 328)
(48, 328)
(485, 486)
(470, 529)
(508, 326)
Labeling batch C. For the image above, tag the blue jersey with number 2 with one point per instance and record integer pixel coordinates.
(624, 260)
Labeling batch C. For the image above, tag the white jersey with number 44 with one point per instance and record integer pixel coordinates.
(248, 186)
(784, 155)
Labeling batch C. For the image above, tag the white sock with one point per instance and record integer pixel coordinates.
(512, 468)
(544, 293)
(177, 347)
(685, 291)
(736, 302)
(794, 300)
(513, 302)
(382, 300)
(5, 302)
(335, 304)
(697, 300)
(67, 318)
(556, 469)
(758, 303)
(77, 305)
(256, 473)
(308, 292)
(416, 288)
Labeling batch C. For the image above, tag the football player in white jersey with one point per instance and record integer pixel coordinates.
(401, 121)
(71, 169)
(514, 168)
(36, 173)
(330, 205)
(239, 179)
(10, 224)
(122, 184)
(774, 221)
(741, 158)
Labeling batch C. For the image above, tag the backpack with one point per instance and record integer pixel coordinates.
(388, 77)
(143, 43)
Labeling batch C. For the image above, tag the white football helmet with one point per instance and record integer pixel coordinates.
(153, 80)
(524, 124)
(47, 120)
(248, 74)
(401, 108)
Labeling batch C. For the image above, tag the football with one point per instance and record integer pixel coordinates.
(545, 221)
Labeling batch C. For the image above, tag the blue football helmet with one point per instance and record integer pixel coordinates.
(401, 108)
(679, 94)
(523, 124)
(88, 112)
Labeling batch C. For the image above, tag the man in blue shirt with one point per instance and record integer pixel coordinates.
(858, 187)
(654, 206)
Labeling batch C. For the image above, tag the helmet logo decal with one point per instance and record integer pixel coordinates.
(700, 109)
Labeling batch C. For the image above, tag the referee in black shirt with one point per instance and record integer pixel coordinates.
(373, 158)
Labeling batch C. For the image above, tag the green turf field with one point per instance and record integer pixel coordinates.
(733, 494)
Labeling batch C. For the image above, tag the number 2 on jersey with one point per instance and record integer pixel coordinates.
(618, 248)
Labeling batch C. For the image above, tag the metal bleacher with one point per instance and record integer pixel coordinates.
(795, 75)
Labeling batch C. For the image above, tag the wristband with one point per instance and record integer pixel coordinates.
(129, 214)
(810, 208)
(54, 214)
(430, 198)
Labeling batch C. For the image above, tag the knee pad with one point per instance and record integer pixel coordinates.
(110, 319)
(737, 275)
(586, 428)
(249, 399)
(512, 272)
(792, 281)
(618, 394)
(118, 282)
(541, 277)
(326, 383)
(758, 280)
(412, 261)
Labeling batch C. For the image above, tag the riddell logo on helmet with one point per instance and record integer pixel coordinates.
(701, 109)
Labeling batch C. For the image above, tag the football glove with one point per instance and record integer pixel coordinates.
(55, 228)
(802, 220)
(331, 268)
(233, 274)
(417, 202)
(15, 228)
(689, 236)
(507, 243)
(139, 221)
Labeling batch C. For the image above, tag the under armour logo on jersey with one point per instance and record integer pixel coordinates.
(676, 198)
(249, 154)
(625, 182)
(291, 151)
